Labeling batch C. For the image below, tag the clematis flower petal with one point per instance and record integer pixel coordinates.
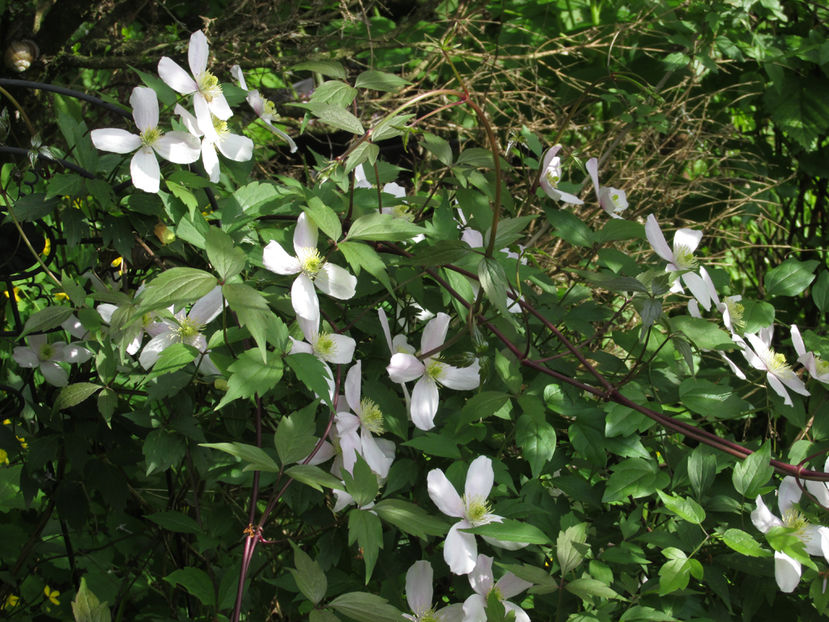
(424, 403)
(788, 494)
(155, 346)
(235, 147)
(405, 367)
(699, 289)
(75, 354)
(145, 172)
(336, 281)
(461, 378)
(687, 238)
(509, 585)
(460, 549)
(305, 233)
(444, 495)
(479, 478)
(197, 53)
(419, 587)
(115, 140)
(208, 307)
(657, 239)
(54, 373)
(474, 609)
(762, 517)
(520, 614)
(25, 356)
(277, 260)
(353, 389)
(144, 104)
(210, 161)
(434, 335)
(480, 579)
(175, 77)
(786, 572)
(373, 455)
(178, 147)
(304, 298)
(342, 351)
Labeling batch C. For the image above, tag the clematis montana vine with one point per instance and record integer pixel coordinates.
(327, 347)
(779, 373)
(178, 147)
(483, 582)
(312, 270)
(45, 356)
(680, 258)
(232, 146)
(612, 200)
(815, 538)
(263, 108)
(208, 100)
(419, 593)
(817, 368)
(460, 549)
(551, 175)
(430, 373)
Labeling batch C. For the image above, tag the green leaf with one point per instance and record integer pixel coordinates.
(294, 438)
(361, 256)
(107, 403)
(702, 468)
(337, 117)
(364, 152)
(162, 450)
(438, 147)
(571, 547)
(410, 518)
(634, 477)
(494, 282)
(322, 615)
(46, 319)
(744, 543)
(365, 607)
(74, 394)
(702, 333)
(711, 400)
(254, 314)
(365, 528)
(255, 457)
(537, 440)
(309, 577)
(250, 375)
(753, 472)
(511, 531)
(64, 184)
(789, 278)
(389, 127)
(482, 405)
(176, 286)
(324, 217)
(620, 229)
(173, 358)
(569, 227)
(378, 227)
(362, 484)
(674, 575)
(196, 582)
(757, 315)
(227, 259)
(684, 507)
(435, 445)
(311, 372)
(314, 477)
(31, 207)
(87, 608)
(175, 522)
(510, 230)
(329, 68)
(475, 157)
(380, 81)
(586, 587)
(334, 92)
(820, 292)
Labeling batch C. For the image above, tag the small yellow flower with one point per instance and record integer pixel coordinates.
(52, 595)
(4, 457)
(15, 293)
(47, 248)
(22, 441)
(61, 296)
(11, 601)
(7, 421)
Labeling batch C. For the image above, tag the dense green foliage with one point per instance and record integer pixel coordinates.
(627, 454)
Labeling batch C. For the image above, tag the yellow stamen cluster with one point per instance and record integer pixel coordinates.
(793, 519)
(209, 86)
(312, 263)
(434, 369)
(477, 508)
(46, 352)
(220, 126)
(187, 329)
(371, 416)
(735, 312)
(684, 258)
(821, 366)
(325, 346)
(777, 362)
(149, 136)
(268, 109)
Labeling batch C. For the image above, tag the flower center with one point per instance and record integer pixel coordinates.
(476, 508)
(402, 211)
(209, 86)
(777, 362)
(793, 519)
(46, 352)
(325, 346)
(553, 172)
(684, 257)
(371, 417)
(188, 329)
(220, 126)
(821, 366)
(735, 312)
(149, 136)
(268, 109)
(434, 369)
(312, 263)
(427, 616)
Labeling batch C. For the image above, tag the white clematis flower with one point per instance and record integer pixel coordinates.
(327, 347)
(184, 328)
(817, 368)
(761, 356)
(483, 582)
(232, 146)
(208, 100)
(551, 175)
(815, 538)
(419, 595)
(178, 147)
(263, 108)
(819, 490)
(45, 356)
(680, 258)
(612, 200)
(430, 373)
(312, 269)
(460, 548)
(356, 431)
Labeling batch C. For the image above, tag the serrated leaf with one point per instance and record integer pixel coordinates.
(173, 358)
(383, 228)
(586, 587)
(337, 117)
(162, 450)
(511, 531)
(365, 607)
(494, 283)
(702, 333)
(256, 458)
(46, 319)
(175, 522)
(410, 518)
(329, 68)
(380, 81)
(753, 472)
(196, 582)
(684, 507)
(324, 217)
(537, 440)
(571, 547)
(438, 147)
(294, 438)
(253, 313)
(87, 608)
(314, 477)
(311, 372)
(31, 207)
(361, 256)
(744, 543)
(73, 394)
(250, 375)
(365, 529)
(364, 152)
(309, 577)
(227, 259)
(334, 92)
(174, 287)
(789, 278)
